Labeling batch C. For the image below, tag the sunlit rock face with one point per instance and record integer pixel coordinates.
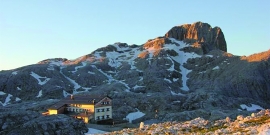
(202, 33)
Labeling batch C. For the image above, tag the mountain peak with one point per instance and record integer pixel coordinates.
(201, 33)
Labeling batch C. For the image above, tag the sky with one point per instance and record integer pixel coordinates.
(34, 30)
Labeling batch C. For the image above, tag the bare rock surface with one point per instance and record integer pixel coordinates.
(209, 38)
(28, 120)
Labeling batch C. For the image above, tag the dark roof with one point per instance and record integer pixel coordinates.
(57, 105)
(78, 99)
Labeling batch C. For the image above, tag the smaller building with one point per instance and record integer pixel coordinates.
(84, 107)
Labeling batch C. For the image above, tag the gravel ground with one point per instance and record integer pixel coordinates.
(110, 128)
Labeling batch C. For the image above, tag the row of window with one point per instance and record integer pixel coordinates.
(103, 117)
(78, 110)
(103, 110)
(105, 103)
(75, 105)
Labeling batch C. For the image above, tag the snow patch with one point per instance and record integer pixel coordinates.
(177, 101)
(17, 99)
(118, 48)
(18, 88)
(14, 73)
(165, 79)
(89, 72)
(54, 63)
(113, 59)
(137, 86)
(97, 55)
(182, 58)
(2, 93)
(216, 68)
(202, 72)
(76, 85)
(50, 67)
(65, 94)
(39, 94)
(253, 107)
(86, 89)
(7, 100)
(37, 77)
(134, 115)
(175, 79)
(78, 67)
(110, 78)
(92, 131)
(126, 85)
(177, 94)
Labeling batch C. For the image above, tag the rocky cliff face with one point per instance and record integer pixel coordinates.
(203, 34)
(185, 74)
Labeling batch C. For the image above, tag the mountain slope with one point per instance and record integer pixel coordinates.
(183, 75)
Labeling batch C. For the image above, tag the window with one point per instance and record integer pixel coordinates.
(98, 110)
(98, 117)
(102, 117)
(108, 116)
(108, 109)
(102, 110)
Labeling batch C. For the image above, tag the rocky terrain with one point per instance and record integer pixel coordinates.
(256, 123)
(185, 74)
(25, 118)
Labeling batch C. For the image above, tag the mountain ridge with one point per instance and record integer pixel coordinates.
(181, 79)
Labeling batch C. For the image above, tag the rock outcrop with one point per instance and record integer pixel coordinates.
(21, 122)
(203, 34)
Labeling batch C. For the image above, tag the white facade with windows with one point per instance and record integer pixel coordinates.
(103, 109)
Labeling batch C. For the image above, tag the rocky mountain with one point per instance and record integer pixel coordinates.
(183, 75)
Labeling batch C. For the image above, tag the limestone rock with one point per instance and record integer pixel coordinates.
(202, 33)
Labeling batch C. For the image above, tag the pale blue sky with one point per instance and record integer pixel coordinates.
(34, 30)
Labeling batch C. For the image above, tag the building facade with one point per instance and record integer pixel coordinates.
(84, 107)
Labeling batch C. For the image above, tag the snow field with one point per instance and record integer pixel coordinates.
(253, 107)
(134, 115)
(78, 67)
(39, 94)
(37, 77)
(7, 100)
